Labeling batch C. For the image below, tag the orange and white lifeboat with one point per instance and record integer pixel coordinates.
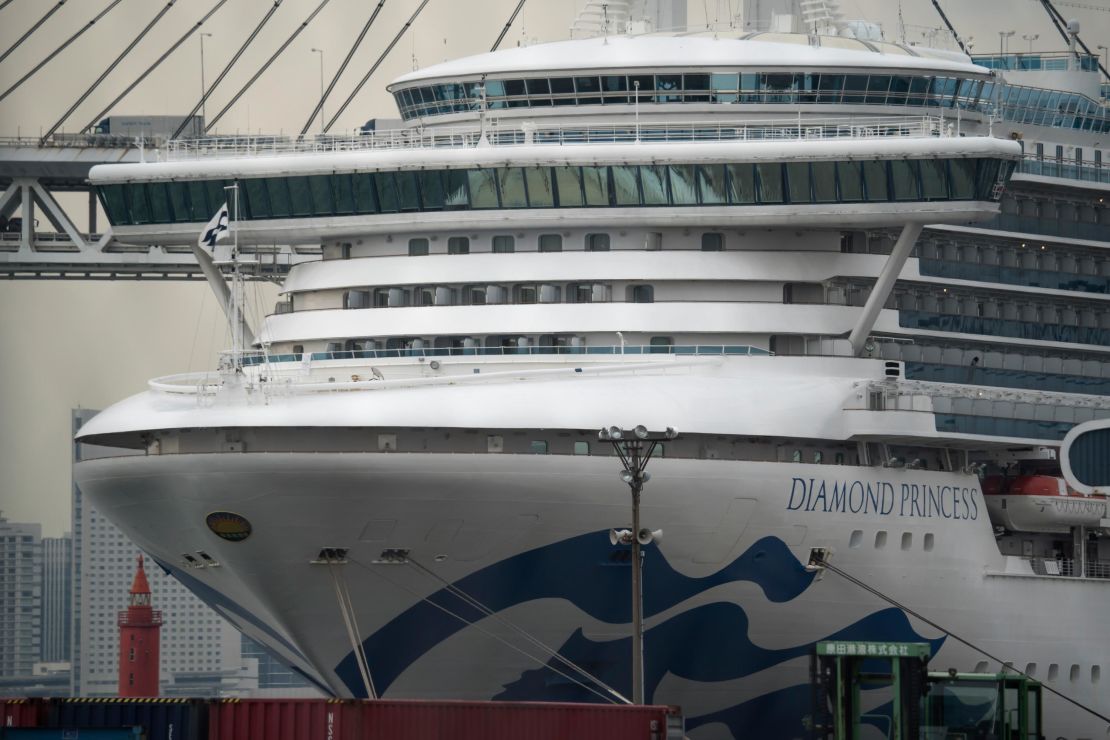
(1041, 503)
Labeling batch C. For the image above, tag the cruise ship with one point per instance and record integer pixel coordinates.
(863, 282)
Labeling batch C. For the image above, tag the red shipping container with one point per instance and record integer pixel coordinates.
(387, 719)
(20, 712)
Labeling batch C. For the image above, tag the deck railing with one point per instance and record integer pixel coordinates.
(529, 133)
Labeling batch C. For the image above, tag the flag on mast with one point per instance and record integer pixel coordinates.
(216, 229)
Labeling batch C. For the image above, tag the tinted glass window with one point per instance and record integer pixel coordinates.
(159, 202)
(874, 177)
(342, 195)
(179, 202)
(538, 181)
(934, 180)
(626, 187)
(568, 180)
(299, 197)
(551, 243)
(963, 178)
(408, 195)
(684, 188)
(741, 183)
(198, 201)
(458, 245)
(280, 206)
(712, 242)
(363, 189)
(386, 189)
(595, 181)
(770, 182)
(904, 174)
(511, 180)
(458, 193)
(824, 182)
(798, 176)
(711, 184)
(504, 244)
(418, 247)
(432, 194)
(654, 181)
(850, 175)
(483, 188)
(320, 187)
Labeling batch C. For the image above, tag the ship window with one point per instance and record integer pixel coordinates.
(279, 197)
(581, 448)
(770, 182)
(741, 183)
(1053, 671)
(711, 183)
(818, 457)
(611, 84)
(483, 188)
(458, 245)
(712, 241)
(431, 190)
(850, 175)
(697, 87)
(387, 191)
(159, 202)
(838, 458)
(829, 88)
(495, 443)
(929, 542)
(568, 182)
(526, 294)
(874, 177)
(342, 195)
(418, 247)
(425, 296)
(668, 84)
(877, 86)
(934, 185)
(538, 181)
(217, 196)
(683, 187)
(596, 185)
(563, 90)
(299, 197)
(503, 244)
(654, 180)
(856, 538)
(298, 349)
(661, 345)
(798, 178)
(907, 540)
(198, 201)
(551, 242)
(824, 182)
(320, 186)
(904, 175)
(597, 242)
(645, 84)
(1073, 674)
(724, 88)
(880, 539)
(365, 199)
(626, 186)
(457, 195)
(796, 456)
(1096, 673)
(643, 294)
(963, 179)
(387, 443)
(538, 447)
(1031, 670)
(511, 180)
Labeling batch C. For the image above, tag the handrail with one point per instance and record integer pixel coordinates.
(530, 133)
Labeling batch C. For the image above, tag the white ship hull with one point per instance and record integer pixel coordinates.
(731, 613)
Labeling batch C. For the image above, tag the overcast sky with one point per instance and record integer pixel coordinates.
(68, 344)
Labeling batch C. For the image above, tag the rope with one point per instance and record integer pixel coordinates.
(264, 67)
(521, 631)
(373, 69)
(505, 30)
(361, 648)
(852, 579)
(227, 68)
(184, 37)
(485, 632)
(343, 66)
(60, 49)
(32, 29)
(112, 66)
(363, 668)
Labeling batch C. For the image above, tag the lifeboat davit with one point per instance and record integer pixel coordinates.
(1040, 503)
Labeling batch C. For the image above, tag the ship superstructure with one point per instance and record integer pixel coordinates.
(854, 274)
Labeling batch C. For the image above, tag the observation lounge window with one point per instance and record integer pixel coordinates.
(595, 185)
(342, 194)
(503, 244)
(568, 183)
(653, 178)
(418, 247)
(850, 177)
(562, 90)
(798, 177)
(458, 191)
(963, 179)
(588, 89)
(696, 87)
(683, 186)
(538, 182)
(511, 182)
(904, 175)
(824, 182)
(279, 197)
(431, 190)
(615, 88)
(159, 203)
(934, 180)
(645, 84)
(483, 188)
(741, 183)
(320, 187)
(669, 88)
(830, 88)
(626, 185)
(724, 87)
(386, 189)
(458, 245)
(539, 92)
(551, 242)
(770, 182)
(875, 179)
(366, 200)
(711, 184)
(299, 197)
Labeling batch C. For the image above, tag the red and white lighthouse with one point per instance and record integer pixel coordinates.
(140, 626)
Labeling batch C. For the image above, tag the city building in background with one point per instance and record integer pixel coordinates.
(20, 597)
(57, 586)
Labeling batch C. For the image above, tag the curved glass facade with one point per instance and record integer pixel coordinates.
(1015, 276)
(995, 427)
(1018, 103)
(739, 184)
(1004, 327)
(1002, 378)
(692, 87)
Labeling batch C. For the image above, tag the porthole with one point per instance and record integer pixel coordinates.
(880, 539)
(907, 540)
(856, 539)
(928, 542)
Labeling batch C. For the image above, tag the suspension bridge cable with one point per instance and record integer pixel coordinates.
(374, 68)
(343, 66)
(32, 29)
(177, 44)
(59, 50)
(505, 30)
(304, 24)
(123, 54)
(519, 630)
(893, 602)
(484, 631)
(227, 68)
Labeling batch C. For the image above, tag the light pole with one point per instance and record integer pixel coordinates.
(1030, 37)
(321, 52)
(629, 447)
(1002, 36)
(203, 106)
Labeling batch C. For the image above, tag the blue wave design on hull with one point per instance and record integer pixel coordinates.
(579, 570)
